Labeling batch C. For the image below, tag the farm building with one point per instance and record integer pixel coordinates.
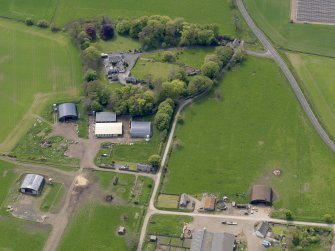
(184, 200)
(145, 168)
(209, 203)
(140, 129)
(204, 240)
(262, 229)
(67, 111)
(32, 184)
(261, 195)
(105, 130)
(105, 117)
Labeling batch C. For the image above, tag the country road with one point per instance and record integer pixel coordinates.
(294, 84)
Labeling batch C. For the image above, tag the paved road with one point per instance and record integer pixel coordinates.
(278, 59)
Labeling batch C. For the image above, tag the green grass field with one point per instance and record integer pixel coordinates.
(317, 74)
(18, 235)
(258, 126)
(167, 224)
(274, 18)
(95, 226)
(158, 70)
(35, 66)
(51, 200)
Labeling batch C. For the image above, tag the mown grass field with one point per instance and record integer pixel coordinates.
(95, 227)
(35, 66)
(317, 75)
(167, 224)
(53, 197)
(274, 18)
(258, 126)
(18, 235)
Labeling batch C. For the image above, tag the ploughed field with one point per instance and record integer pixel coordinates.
(249, 126)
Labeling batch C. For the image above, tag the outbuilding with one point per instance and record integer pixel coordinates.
(67, 111)
(203, 240)
(131, 80)
(145, 168)
(184, 200)
(106, 130)
(262, 229)
(32, 184)
(209, 203)
(261, 195)
(140, 129)
(105, 117)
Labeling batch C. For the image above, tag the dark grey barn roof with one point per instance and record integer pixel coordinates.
(140, 129)
(105, 117)
(206, 241)
(32, 181)
(263, 228)
(67, 110)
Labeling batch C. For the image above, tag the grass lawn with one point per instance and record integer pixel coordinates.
(118, 44)
(138, 192)
(21, 235)
(22, 9)
(232, 143)
(95, 226)
(211, 11)
(171, 225)
(54, 194)
(18, 235)
(167, 201)
(158, 70)
(30, 147)
(139, 152)
(194, 57)
(317, 74)
(273, 17)
(36, 65)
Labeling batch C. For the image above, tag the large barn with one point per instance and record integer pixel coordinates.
(261, 195)
(140, 129)
(32, 184)
(105, 117)
(204, 240)
(106, 130)
(67, 111)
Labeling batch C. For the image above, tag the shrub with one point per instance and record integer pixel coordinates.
(29, 21)
(210, 69)
(91, 31)
(107, 32)
(54, 27)
(169, 57)
(90, 75)
(199, 84)
(43, 23)
(154, 160)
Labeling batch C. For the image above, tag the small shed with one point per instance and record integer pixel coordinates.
(153, 238)
(209, 203)
(32, 184)
(107, 130)
(184, 200)
(67, 111)
(105, 117)
(262, 229)
(144, 168)
(121, 230)
(261, 195)
(140, 129)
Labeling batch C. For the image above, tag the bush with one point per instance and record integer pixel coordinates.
(29, 21)
(91, 57)
(90, 75)
(328, 218)
(164, 115)
(43, 23)
(210, 69)
(91, 31)
(199, 84)
(54, 28)
(107, 32)
(169, 57)
(154, 160)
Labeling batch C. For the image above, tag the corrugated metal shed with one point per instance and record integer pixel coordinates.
(105, 117)
(67, 111)
(204, 240)
(140, 129)
(108, 129)
(32, 183)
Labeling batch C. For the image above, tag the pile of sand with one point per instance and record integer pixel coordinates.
(81, 181)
